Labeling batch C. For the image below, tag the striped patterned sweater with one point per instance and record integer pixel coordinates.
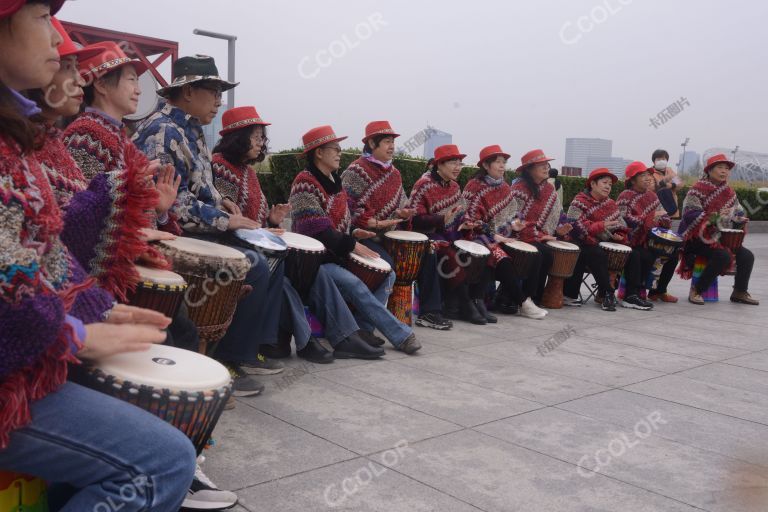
(240, 184)
(639, 213)
(374, 192)
(589, 216)
(434, 198)
(541, 215)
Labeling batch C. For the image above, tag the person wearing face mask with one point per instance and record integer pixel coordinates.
(596, 218)
(665, 180)
(641, 210)
(378, 204)
(709, 206)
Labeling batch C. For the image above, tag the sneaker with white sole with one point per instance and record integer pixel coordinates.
(204, 495)
(530, 310)
(635, 302)
(263, 366)
(242, 383)
(574, 303)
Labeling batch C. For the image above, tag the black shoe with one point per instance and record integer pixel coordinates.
(353, 347)
(314, 352)
(434, 321)
(279, 351)
(470, 314)
(609, 302)
(502, 305)
(451, 306)
(204, 495)
(410, 345)
(242, 383)
(480, 305)
(635, 302)
(371, 338)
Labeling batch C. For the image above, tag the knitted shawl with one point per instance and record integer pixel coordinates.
(639, 213)
(541, 215)
(589, 216)
(432, 197)
(96, 144)
(707, 208)
(314, 210)
(36, 339)
(240, 184)
(374, 192)
(490, 203)
(65, 176)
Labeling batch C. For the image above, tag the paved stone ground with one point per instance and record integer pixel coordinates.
(636, 411)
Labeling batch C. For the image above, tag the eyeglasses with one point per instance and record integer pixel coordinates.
(215, 90)
(337, 149)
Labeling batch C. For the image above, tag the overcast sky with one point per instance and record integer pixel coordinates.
(523, 74)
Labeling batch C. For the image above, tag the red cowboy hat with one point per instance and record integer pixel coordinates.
(111, 58)
(68, 48)
(599, 173)
(240, 117)
(490, 151)
(10, 7)
(319, 136)
(634, 169)
(718, 159)
(378, 128)
(534, 156)
(448, 152)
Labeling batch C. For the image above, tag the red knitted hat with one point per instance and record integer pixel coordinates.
(112, 57)
(379, 128)
(599, 173)
(68, 48)
(634, 169)
(448, 152)
(319, 136)
(240, 117)
(534, 156)
(490, 151)
(718, 159)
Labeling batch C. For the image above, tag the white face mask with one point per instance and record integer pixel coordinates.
(660, 165)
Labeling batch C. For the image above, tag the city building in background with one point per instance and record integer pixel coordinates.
(436, 138)
(750, 166)
(691, 164)
(570, 171)
(591, 153)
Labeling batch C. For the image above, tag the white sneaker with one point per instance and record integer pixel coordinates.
(204, 495)
(531, 310)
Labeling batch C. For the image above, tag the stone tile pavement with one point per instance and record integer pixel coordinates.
(634, 411)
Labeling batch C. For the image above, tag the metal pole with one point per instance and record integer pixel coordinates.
(230, 58)
(682, 162)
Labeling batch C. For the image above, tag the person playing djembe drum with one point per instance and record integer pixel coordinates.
(439, 213)
(537, 205)
(711, 206)
(379, 204)
(243, 142)
(596, 219)
(640, 207)
(490, 207)
(319, 209)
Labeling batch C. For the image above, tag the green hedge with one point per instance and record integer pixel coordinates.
(277, 173)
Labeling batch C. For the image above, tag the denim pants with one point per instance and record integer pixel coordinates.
(370, 308)
(117, 456)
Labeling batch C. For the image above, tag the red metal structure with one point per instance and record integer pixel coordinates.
(140, 47)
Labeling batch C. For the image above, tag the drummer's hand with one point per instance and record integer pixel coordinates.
(125, 314)
(383, 224)
(104, 340)
(362, 234)
(278, 212)
(365, 252)
(741, 219)
(405, 213)
(618, 237)
(612, 224)
(276, 231)
(659, 214)
(237, 221)
(547, 238)
(469, 225)
(231, 207)
(153, 235)
(152, 259)
(564, 229)
(167, 186)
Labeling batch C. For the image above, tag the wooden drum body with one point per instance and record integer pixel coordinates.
(522, 255)
(564, 258)
(305, 255)
(618, 255)
(407, 249)
(371, 271)
(159, 290)
(473, 257)
(732, 239)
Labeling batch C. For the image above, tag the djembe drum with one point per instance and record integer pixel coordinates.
(215, 275)
(473, 257)
(186, 389)
(732, 239)
(305, 255)
(522, 255)
(271, 246)
(371, 271)
(618, 255)
(665, 243)
(564, 258)
(159, 290)
(406, 248)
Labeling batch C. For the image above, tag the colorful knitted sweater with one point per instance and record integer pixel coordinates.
(433, 197)
(541, 215)
(102, 222)
(319, 209)
(240, 184)
(374, 191)
(639, 213)
(37, 336)
(490, 202)
(589, 216)
(96, 142)
(174, 135)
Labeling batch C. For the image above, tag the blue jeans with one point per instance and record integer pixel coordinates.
(118, 456)
(370, 308)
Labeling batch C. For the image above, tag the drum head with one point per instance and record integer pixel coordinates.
(613, 246)
(521, 246)
(406, 236)
(167, 367)
(156, 275)
(472, 248)
(378, 263)
(261, 238)
(203, 248)
(666, 234)
(563, 246)
(729, 230)
(302, 242)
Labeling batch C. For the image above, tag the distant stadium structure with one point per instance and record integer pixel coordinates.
(750, 166)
